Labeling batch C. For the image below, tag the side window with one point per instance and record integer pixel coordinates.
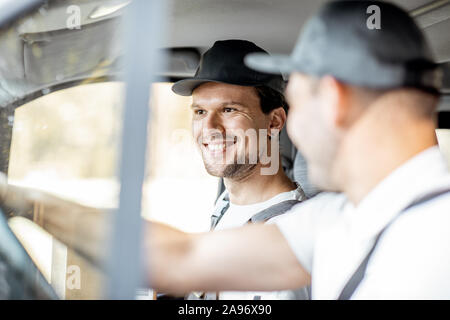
(443, 133)
(66, 143)
(443, 136)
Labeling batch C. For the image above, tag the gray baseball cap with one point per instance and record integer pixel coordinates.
(370, 44)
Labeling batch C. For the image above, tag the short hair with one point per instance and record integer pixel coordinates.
(423, 102)
(270, 99)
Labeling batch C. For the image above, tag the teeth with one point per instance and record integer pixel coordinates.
(216, 147)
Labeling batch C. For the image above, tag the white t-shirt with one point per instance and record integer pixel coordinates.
(237, 216)
(330, 236)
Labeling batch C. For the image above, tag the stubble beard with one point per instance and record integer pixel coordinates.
(230, 171)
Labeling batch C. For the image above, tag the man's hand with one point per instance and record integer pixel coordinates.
(83, 229)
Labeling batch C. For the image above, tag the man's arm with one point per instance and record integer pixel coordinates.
(255, 257)
(83, 229)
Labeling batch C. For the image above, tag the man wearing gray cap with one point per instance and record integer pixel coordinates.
(362, 102)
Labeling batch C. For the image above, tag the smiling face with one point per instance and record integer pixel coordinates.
(222, 114)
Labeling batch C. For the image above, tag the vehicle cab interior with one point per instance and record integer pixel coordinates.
(68, 71)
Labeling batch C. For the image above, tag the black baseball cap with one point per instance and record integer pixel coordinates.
(371, 44)
(224, 63)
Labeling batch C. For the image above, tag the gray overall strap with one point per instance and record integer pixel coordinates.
(222, 206)
(262, 216)
(273, 211)
(358, 275)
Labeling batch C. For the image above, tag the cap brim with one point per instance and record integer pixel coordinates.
(270, 63)
(186, 86)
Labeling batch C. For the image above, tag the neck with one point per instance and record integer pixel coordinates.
(375, 146)
(256, 188)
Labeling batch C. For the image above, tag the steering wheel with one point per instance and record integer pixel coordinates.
(19, 277)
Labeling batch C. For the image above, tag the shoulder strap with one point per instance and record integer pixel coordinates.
(222, 205)
(273, 211)
(358, 275)
(277, 209)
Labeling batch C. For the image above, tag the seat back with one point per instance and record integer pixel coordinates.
(300, 173)
(294, 164)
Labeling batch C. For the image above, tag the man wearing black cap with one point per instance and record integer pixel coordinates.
(362, 102)
(232, 104)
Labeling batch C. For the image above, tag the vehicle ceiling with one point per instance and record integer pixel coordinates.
(272, 24)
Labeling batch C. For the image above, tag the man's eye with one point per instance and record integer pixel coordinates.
(199, 112)
(229, 109)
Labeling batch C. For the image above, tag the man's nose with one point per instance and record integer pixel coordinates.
(213, 122)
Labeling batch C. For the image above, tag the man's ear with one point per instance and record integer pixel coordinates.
(277, 119)
(336, 101)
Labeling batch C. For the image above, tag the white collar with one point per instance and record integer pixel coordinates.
(295, 194)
